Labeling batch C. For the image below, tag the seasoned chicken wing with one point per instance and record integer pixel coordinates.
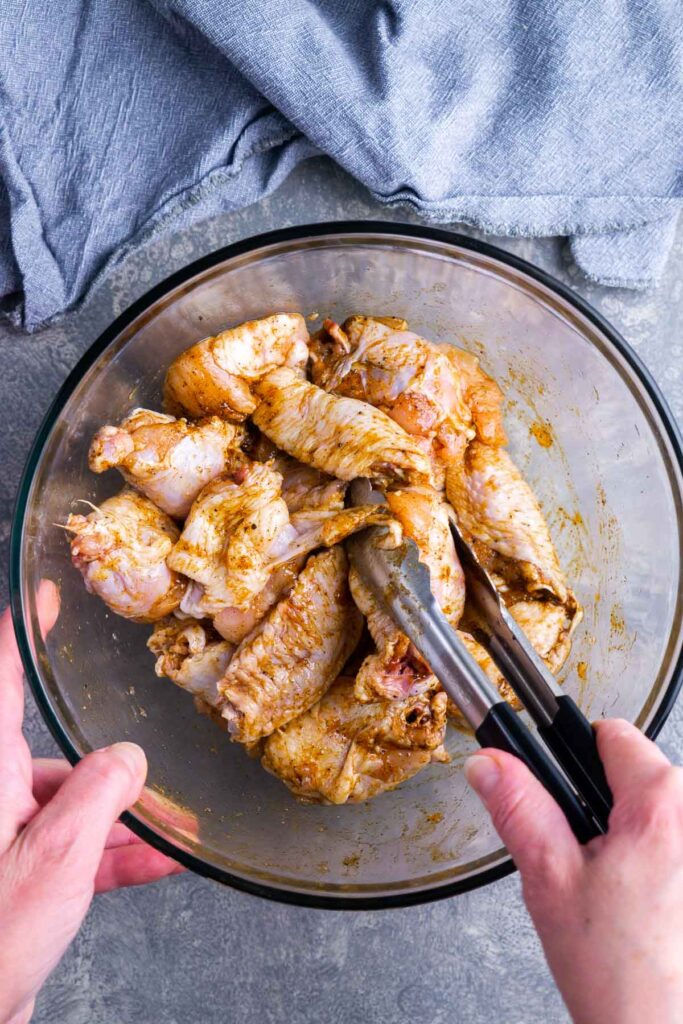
(216, 375)
(121, 549)
(377, 360)
(305, 488)
(396, 670)
(222, 547)
(481, 393)
(549, 627)
(397, 371)
(496, 507)
(192, 655)
(286, 554)
(320, 528)
(423, 514)
(239, 533)
(167, 459)
(287, 663)
(235, 623)
(342, 751)
(339, 436)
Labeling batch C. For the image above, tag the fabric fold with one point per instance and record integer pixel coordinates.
(122, 121)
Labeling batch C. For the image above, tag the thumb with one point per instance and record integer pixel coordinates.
(525, 816)
(64, 842)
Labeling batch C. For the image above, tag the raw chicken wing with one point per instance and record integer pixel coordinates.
(191, 655)
(167, 459)
(235, 623)
(319, 528)
(290, 659)
(339, 436)
(306, 488)
(423, 514)
(216, 375)
(482, 395)
(345, 752)
(496, 507)
(284, 557)
(221, 548)
(396, 371)
(121, 549)
(549, 627)
(396, 670)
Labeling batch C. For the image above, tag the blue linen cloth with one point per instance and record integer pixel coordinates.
(122, 119)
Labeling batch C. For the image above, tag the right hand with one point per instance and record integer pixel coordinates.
(609, 914)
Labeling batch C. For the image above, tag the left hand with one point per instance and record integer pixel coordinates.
(60, 841)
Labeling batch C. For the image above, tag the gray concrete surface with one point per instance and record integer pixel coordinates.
(190, 952)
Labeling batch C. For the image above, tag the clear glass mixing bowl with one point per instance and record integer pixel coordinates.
(590, 431)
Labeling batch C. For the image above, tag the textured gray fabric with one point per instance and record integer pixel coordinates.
(121, 119)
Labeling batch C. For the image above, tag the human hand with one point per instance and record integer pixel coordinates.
(609, 914)
(60, 841)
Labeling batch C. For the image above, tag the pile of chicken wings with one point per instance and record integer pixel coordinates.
(229, 537)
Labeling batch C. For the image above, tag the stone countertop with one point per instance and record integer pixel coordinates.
(188, 951)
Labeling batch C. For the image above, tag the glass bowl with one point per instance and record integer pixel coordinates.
(588, 427)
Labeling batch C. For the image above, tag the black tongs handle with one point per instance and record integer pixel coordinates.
(502, 729)
(571, 738)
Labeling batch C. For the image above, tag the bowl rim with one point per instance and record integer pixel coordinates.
(302, 232)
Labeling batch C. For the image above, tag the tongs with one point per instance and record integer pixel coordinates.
(401, 584)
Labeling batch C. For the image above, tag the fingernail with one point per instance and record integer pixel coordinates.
(482, 773)
(132, 756)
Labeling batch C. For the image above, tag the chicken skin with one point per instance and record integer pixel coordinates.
(497, 508)
(424, 516)
(169, 460)
(305, 488)
(121, 548)
(481, 394)
(192, 655)
(340, 436)
(288, 662)
(500, 515)
(285, 556)
(231, 522)
(397, 371)
(239, 533)
(216, 375)
(234, 624)
(342, 751)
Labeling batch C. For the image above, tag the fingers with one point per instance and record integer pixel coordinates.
(525, 816)
(11, 669)
(648, 793)
(133, 865)
(49, 871)
(630, 759)
(127, 860)
(18, 805)
(11, 683)
(48, 602)
(63, 844)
